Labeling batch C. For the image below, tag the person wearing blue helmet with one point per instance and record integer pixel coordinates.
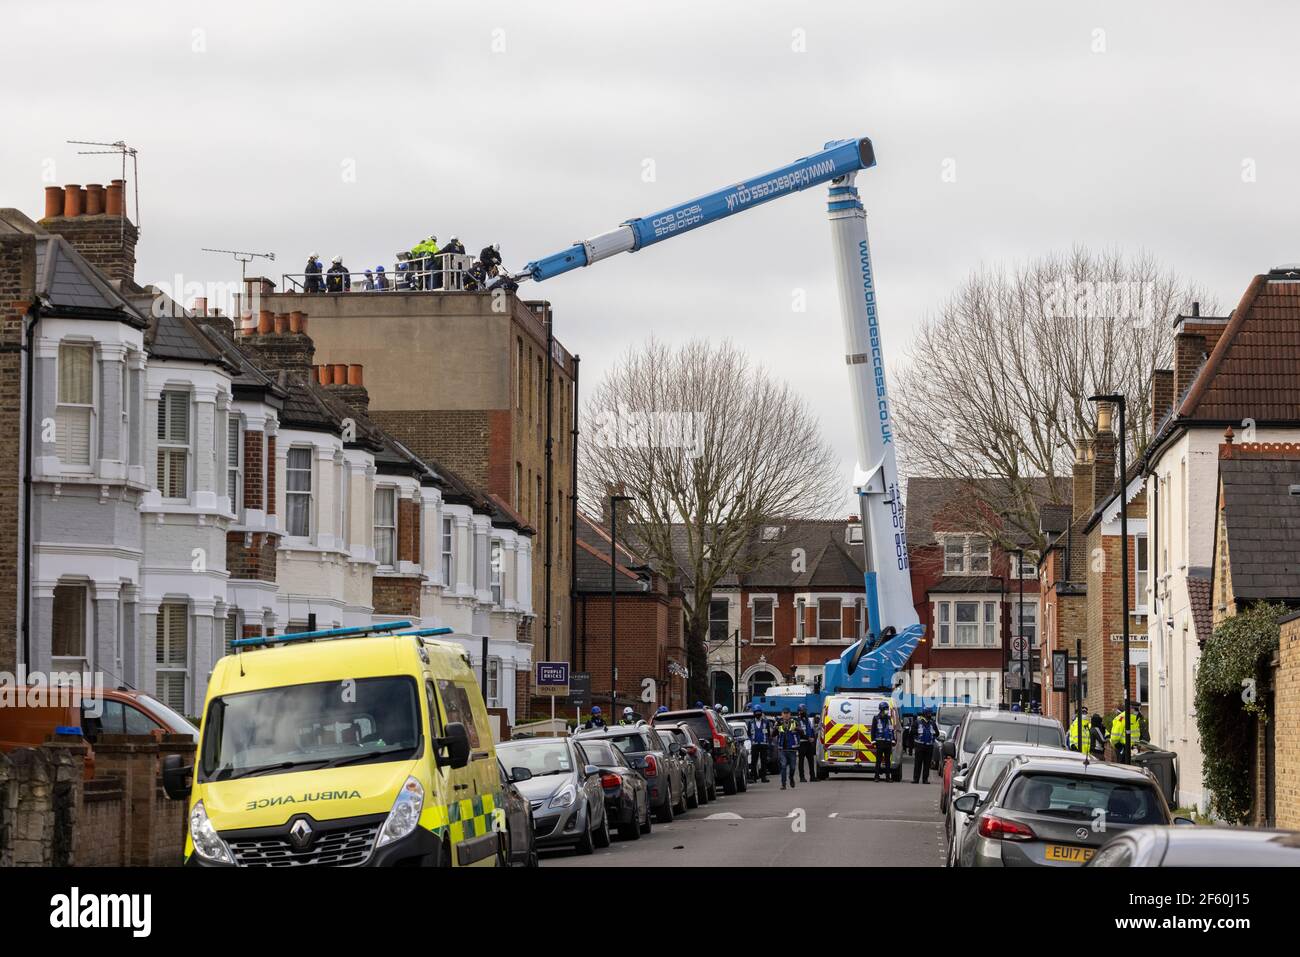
(882, 736)
(595, 720)
(924, 734)
(662, 709)
(381, 279)
(760, 737)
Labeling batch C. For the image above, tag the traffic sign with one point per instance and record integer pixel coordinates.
(1018, 646)
(552, 678)
(1060, 670)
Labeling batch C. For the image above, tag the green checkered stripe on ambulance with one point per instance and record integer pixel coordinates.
(468, 817)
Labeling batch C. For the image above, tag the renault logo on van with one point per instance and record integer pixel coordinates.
(300, 833)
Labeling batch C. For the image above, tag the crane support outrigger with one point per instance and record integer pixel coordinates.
(893, 630)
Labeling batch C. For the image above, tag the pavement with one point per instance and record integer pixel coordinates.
(844, 821)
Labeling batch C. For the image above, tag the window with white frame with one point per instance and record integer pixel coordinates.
(859, 606)
(762, 632)
(495, 571)
(719, 619)
(800, 626)
(446, 552)
(830, 621)
(345, 493)
(68, 635)
(966, 623)
(966, 555)
(1027, 626)
(1027, 567)
(1141, 571)
(231, 631)
(297, 492)
(386, 527)
(172, 654)
(173, 443)
(73, 417)
(493, 682)
(235, 461)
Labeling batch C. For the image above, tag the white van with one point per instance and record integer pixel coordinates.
(844, 743)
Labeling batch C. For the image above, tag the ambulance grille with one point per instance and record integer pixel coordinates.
(343, 848)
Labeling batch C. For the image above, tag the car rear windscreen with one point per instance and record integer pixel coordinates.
(631, 743)
(598, 752)
(697, 723)
(979, 731)
(1085, 799)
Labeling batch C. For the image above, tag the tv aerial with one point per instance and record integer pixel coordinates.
(243, 257)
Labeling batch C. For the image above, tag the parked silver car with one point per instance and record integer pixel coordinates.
(1200, 847)
(1053, 811)
(980, 725)
(984, 769)
(564, 792)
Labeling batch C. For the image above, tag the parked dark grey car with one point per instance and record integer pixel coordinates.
(1056, 811)
(676, 752)
(705, 776)
(645, 752)
(520, 847)
(564, 792)
(987, 724)
(627, 796)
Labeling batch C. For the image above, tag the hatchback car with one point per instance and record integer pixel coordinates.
(1200, 847)
(1053, 811)
(677, 754)
(984, 769)
(948, 717)
(645, 752)
(978, 726)
(563, 791)
(701, 764)
(627, 797)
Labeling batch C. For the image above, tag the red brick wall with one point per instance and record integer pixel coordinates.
(408, 531)
(254, 561)
(396, 595)
(270, 475)
(253, 477)
(17, 289)
(102, 240)
(643, 645)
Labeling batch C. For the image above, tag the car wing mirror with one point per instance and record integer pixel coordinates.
(966, 803)
(959, 783)
(590, 770)
(520, 774)
(177, 777)
(1184, 821)
(456, 744)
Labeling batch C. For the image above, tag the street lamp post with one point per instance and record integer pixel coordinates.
(1119, 401)
(613, 603)
(1020, 630)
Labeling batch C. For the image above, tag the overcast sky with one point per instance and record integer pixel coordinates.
(357, 129)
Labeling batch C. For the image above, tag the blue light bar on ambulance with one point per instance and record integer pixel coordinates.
(424, 633)
(357, 631)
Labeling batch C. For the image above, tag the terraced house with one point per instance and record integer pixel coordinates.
(191, 485)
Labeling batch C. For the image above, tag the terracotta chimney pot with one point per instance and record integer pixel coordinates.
(94, 199)
(295, 321)
(72, 199)
(339, 372)
(114, 199)
(200, 305)
(53, 201)
(265, 322)
(281, 323)
(354, 375)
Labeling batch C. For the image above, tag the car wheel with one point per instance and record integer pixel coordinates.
(713, 790)
(665, 814)
(680, 806)
(741, 784)
(503, 851)
(631, 831)
(729, 784)
(587, 845)
(822, 774)
(701, 792)
(648, 824)
(602, 838)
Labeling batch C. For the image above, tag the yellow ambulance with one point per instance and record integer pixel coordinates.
(343, 747)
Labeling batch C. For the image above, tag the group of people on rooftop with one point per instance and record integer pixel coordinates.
(422, 267)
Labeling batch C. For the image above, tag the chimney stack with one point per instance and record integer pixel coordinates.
(1081, 499)
(273, 348)
(91, 219)
(347, 383)
(1104, 452)
(1162, 396)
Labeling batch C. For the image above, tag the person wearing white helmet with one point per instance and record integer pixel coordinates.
(311, 275)
(629, 717)
(337, 278)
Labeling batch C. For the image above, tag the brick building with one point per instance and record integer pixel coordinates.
(467, 388)
(649, 624)
(1240, 371)
(967, 592)
(1257, 559)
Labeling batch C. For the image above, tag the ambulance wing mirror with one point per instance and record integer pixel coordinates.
(456, 743)
(176, 777)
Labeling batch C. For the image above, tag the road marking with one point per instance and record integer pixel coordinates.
(724, 816)
(833, 814)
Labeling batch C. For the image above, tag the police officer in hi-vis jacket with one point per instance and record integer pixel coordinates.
(758, 752)
(785, 738)
(882, 735)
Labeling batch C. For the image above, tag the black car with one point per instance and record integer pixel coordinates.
(519, 837)
(716, 738)
(705, 775)
(564, 792)
(627, 796)
(645, 752)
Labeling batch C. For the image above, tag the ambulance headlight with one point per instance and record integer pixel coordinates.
(405, 815)
(207, 843)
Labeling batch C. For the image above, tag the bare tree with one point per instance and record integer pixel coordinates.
(709, 447)
(997, 383)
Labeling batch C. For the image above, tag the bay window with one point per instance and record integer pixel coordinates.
(172, 651)
(297, 492)
(73, 417)
(386, 527)
(173, 444)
